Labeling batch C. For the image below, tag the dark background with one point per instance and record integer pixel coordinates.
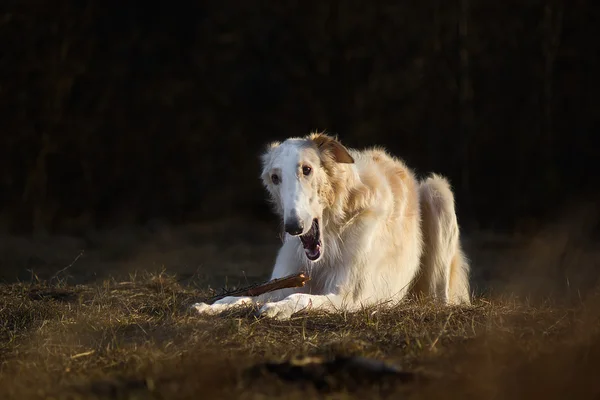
(117, 113)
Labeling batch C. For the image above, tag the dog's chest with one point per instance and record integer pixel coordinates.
(328, 274)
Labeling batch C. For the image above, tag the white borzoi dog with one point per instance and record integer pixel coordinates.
(361, 226)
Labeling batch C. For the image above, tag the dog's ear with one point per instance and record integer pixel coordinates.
(266, 153)
(271, 145)
(328, 144)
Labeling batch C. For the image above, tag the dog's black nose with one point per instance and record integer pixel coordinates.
(294, 227)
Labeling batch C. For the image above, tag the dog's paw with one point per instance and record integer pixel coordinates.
(224, 304)
(280, 310)
(285, 308)
(202, 308)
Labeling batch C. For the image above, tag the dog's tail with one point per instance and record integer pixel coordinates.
(445, 269)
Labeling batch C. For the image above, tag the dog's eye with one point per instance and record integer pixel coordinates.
(306, 170)
(275, 179)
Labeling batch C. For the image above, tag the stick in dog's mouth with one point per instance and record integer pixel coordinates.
(311, 241)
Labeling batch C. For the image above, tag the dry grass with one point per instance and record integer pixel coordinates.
(137, 340)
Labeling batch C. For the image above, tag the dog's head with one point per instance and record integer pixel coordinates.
(297, 174)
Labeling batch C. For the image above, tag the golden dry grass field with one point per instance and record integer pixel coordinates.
(72, 332)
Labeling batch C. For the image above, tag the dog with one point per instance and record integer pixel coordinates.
(361, 226)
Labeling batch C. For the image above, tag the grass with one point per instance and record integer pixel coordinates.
(138, 340)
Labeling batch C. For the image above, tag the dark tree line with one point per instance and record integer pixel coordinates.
(118, 112)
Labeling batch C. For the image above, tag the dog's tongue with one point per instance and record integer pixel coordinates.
(313, 252)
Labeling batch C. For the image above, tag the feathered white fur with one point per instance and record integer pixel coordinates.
(382, 234)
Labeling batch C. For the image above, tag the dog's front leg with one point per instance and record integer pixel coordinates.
(296, 302)
(229, 302)
(226, 303)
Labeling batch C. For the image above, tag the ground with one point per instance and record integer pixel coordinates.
(132, 336)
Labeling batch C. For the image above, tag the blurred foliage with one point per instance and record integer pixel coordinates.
(119, 112)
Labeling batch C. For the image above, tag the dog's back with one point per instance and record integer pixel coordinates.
(444, 268)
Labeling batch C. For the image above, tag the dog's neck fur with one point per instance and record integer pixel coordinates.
(342, 190)
(345, 195)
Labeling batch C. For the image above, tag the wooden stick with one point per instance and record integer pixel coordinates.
(290, 281)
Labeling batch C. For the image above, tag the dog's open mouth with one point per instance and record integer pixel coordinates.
(311, 241)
